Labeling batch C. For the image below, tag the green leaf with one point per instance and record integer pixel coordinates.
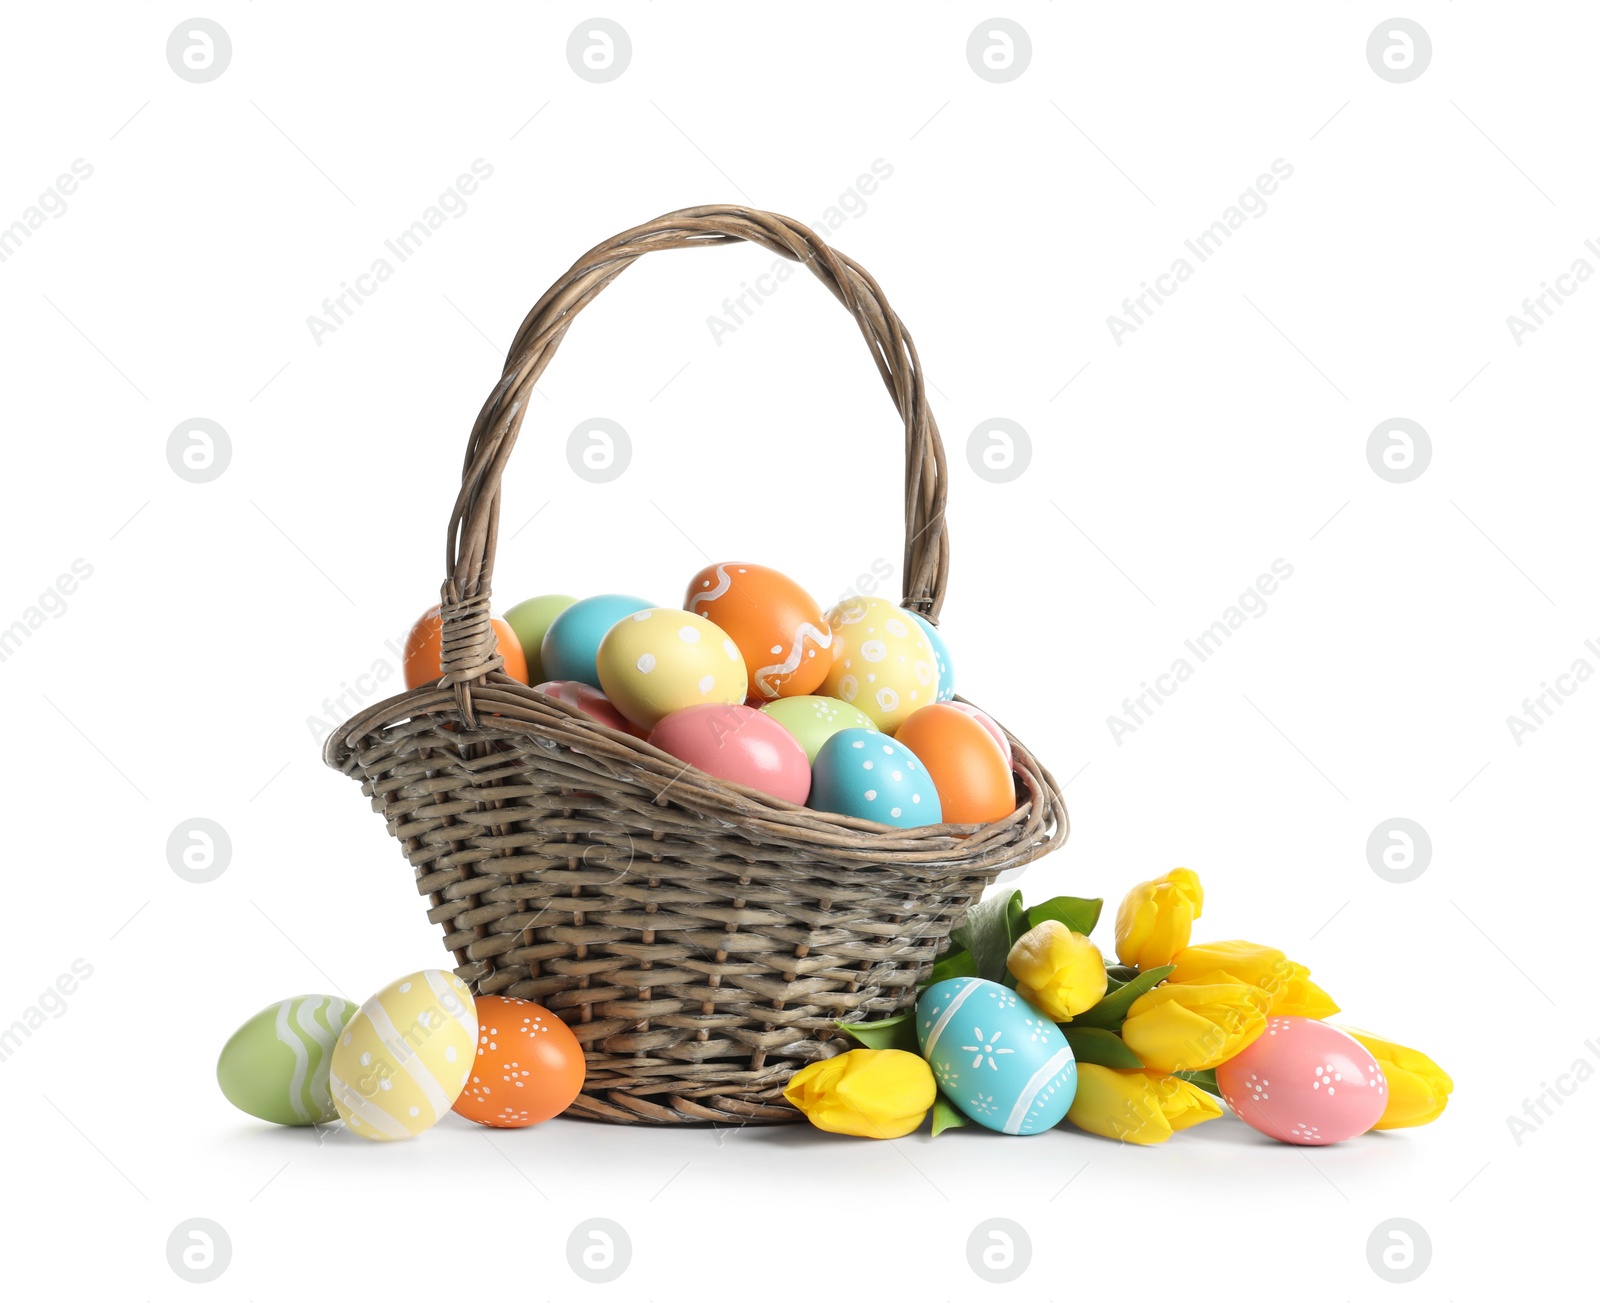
(1121, 973)
(1016, 919)
(1016, 925)
(986, 933)
(1110, 1012)
(897, 1033)
(1097, 1045)
(946, 1115)
(1206, 1080)
(1078, 914)
(955, 962)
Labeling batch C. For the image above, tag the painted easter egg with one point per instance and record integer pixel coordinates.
(885, 663)
(941, 655)
(528, 1068)
(813, 720)
(572, 640)
(777, 626)
(997, 1058)
(424, 647)
(530, 621)
(1305, 1083)
(870, 776)
(405, 1056)
(592, 702)
(275, 1067)
(969, 770)
(994, 730)
(659, 660)
(738, 745)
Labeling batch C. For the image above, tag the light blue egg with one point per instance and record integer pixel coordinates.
(870, 776)
(997, 1058)
(573, 638)
(941, 657)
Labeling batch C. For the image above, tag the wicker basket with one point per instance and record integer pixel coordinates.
(700, 938)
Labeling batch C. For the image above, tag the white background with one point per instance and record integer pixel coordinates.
(185, 676)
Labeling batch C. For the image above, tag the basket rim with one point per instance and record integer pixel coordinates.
(525, 711)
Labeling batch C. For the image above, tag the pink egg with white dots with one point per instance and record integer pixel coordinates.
(1305, 1083)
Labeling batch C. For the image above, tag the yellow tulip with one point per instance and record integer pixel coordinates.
(1288, 985)
(1184, 1028)
(1154, 919)
(1419, 1088)
(1058, 970)
(882, 1094)
(1143, 1108)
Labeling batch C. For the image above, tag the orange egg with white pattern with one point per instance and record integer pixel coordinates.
(777, 626)
(529, 1065)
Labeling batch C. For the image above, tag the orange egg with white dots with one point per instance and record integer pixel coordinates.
(529, 1065)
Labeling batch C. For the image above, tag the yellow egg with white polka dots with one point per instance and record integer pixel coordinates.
(659, 660)
(403, 1059)
(886, 667)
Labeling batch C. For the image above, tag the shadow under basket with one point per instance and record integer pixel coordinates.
(702, 939)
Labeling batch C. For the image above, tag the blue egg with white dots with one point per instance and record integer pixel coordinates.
(996, 1058)
(870, 776)
(941, 657)
(572, 641)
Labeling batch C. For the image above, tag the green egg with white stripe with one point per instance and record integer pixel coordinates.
(1002, 1062)
(404, 1057)
(275, 1067)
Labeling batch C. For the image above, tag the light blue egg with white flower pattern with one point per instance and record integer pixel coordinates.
(941, 657)
(869, 775)
(996, 1058)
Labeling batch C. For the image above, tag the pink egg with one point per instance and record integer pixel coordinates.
(1305, 1083)
(994, 730)
(739, 745)
(591, 701)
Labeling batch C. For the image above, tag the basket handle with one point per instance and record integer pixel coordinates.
(468, 638)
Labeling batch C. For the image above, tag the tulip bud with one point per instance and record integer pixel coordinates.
(1182, 1028)
(882, 1094)
(1154, 919)
(1058, 971)
(1143, 1108)
(1288, 985)
(1419, 1088)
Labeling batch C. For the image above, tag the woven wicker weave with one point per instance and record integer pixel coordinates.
(700, 938)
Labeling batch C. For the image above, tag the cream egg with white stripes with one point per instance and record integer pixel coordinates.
(404, 1058)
